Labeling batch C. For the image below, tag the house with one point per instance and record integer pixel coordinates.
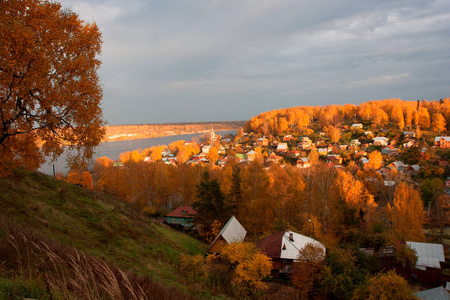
(274, 158)
(282, 148)
(232, 232)
(355, 143)
(357, 126)
(118, 164)
(287, 138)
(365, 162)
(322, 151)
(343, 147)
(303, 163)
(389, 150)
(262, 142)
(294, 153)
(399, 166)
(283, 247)
(442, 141)
(408, 144)
(251, 155)
(380, 141)
(428, 255)
(205, 149)
(334, 159)
(182, 216)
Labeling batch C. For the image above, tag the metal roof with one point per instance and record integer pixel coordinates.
(438, 293)
(429, 255)
(233, 232)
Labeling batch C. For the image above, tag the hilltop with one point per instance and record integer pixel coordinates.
(50, 220)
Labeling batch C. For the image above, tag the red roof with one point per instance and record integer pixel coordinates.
(178, 212)
(271, 245)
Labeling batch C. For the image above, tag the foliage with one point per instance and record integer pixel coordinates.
(431, 189)
(406, 256)
(406, 213)
(49, 87)
(306, 270)
(210, 205)
(385, 286)
(245, 266)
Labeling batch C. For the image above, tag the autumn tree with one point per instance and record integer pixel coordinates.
(375, 160)
(212, 155)
(385, 286)
(406, 213)
(49, 88)
(245, 266)
(438, 123)
(83, 179)
(307, 269)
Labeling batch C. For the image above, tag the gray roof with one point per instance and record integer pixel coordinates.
(429, 255)
(233, 231)
(438, 293)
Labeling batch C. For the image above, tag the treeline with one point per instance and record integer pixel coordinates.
(131, 132)
(330, 204)
(434, 115)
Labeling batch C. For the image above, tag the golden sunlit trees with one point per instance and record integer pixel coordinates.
(83, 179)
(375, 160)
(438, 123)
(245, 265)
(406, 213)
(49, 88)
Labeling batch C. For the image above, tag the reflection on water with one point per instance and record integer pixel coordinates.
(113, 149)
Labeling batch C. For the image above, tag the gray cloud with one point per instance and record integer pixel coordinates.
(167, 61)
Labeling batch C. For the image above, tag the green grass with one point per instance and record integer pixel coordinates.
(96, 224)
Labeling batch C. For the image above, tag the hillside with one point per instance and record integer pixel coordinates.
(41, 214)
(143, 131)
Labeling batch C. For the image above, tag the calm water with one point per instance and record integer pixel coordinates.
(113, 149)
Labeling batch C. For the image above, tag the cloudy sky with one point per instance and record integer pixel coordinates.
(219, 60)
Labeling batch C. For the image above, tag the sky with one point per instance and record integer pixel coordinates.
(224, 60)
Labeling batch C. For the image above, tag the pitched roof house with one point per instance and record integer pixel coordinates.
(182, 215)
(442, 141)
(232, 232)
(283, 247)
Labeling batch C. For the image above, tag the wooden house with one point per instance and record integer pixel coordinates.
(182, 215)
(232, 232)
(442, 142)
(283, 247)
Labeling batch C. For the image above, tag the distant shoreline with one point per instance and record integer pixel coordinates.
(144, 131)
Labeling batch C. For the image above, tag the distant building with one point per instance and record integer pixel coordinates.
(182, 215)
(262, 142)
(442, 141)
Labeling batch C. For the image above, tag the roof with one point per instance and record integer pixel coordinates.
(251, 152)
(279, 245)
(438, 293)
(232, 232)
(282, 146)
(428, 255)
(178, 212)
(380, 138)
(445, 138)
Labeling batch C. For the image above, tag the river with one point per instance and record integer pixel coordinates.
(113, 149)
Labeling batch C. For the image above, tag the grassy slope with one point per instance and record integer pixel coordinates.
(96, 224)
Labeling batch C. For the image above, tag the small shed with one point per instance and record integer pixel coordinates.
(232, 232)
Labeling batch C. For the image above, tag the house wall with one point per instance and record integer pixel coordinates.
(218, 245)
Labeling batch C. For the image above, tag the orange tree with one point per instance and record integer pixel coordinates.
(49, 88)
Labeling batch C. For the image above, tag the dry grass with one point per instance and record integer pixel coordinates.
(69, 274)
